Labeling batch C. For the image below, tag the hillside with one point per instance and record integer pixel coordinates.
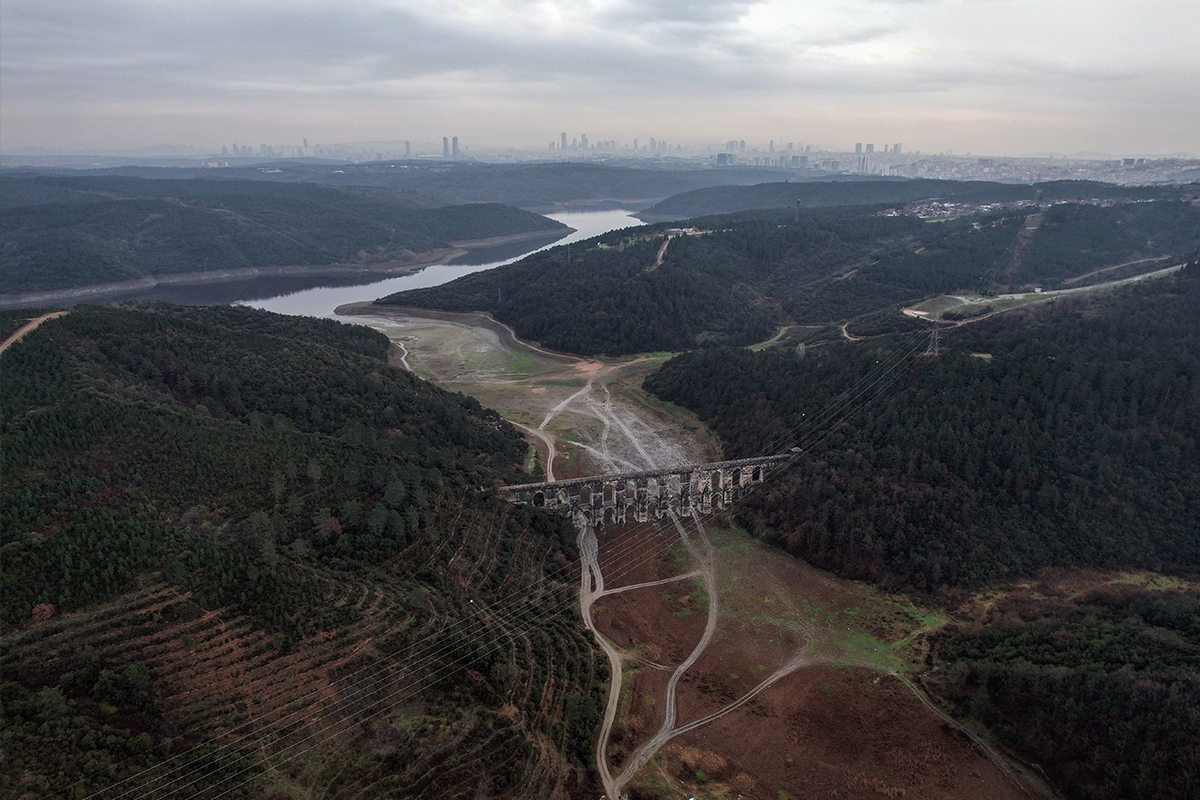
(729, 199)
(228, 529)
(1060, 436)
(537, 186)
(734, 278)
(61, 232)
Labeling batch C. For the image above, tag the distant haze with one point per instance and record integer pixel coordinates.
(988, 76)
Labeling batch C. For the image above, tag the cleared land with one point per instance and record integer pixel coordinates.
(796, 694)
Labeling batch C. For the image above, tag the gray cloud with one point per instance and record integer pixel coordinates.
(70, 70)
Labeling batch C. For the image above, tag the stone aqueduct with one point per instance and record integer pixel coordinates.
(640, 496)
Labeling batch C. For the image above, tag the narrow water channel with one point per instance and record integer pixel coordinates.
(321, 300)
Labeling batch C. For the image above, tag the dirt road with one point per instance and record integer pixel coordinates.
(591, 586)
(27, 327)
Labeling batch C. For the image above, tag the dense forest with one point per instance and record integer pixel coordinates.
(243, 470)
(1100, 687)
(1055, 436)
(61, 232)
(728, 199)
(537, 186)
(742, 275)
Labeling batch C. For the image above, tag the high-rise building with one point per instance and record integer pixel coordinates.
(653, 144)
(742, 146)
(635, 145)
(407, 148)
(564, 141)
(583, 142)
(858, 148)
(445, 147)
(454, 148)
(896, 149)
(306, 144)
(870, 148)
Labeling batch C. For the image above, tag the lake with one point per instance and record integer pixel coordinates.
(319, 297)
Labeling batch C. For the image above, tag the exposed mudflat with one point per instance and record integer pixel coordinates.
(588, 416)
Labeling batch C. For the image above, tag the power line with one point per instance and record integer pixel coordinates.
(837, 410)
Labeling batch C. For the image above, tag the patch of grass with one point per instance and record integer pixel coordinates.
(937, 305)
(854, 623)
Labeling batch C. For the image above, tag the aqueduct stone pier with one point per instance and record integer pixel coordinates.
(639, 496)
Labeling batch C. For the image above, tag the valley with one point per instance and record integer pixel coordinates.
(251, 554)
(585, 416)
(717, 644)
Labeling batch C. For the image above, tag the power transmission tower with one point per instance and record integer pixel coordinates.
(935, 342)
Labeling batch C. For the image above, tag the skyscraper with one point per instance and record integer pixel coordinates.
(896, 148)
(653, 144)
(563, 146)
(583, 143)
(454, 148)
(870, 148)
(407, 148)
(445, 147)
(858, 148)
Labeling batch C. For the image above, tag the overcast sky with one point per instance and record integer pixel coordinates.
(986, 76)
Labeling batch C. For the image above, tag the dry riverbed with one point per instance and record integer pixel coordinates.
(585, 416)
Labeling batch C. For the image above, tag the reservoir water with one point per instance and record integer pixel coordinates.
(320, 296)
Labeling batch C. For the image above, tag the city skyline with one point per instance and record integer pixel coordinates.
(1007, 78)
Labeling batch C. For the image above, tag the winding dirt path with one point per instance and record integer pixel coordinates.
(651, 746)
(1016, 773)
(662, 252)
(403, 356)
(545, 439)
(591, 586)
(27, 327)
(693, 574)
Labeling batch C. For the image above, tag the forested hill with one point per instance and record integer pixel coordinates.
(729, 199)
(265, 496)
(737, 277)
(65, 232)
(1073, 441)
(527, 185)
(1061, 436)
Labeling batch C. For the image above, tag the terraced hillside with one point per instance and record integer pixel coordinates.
(211, 591)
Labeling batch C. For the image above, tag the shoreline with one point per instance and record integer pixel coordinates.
(367, 308)
(383, 270)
